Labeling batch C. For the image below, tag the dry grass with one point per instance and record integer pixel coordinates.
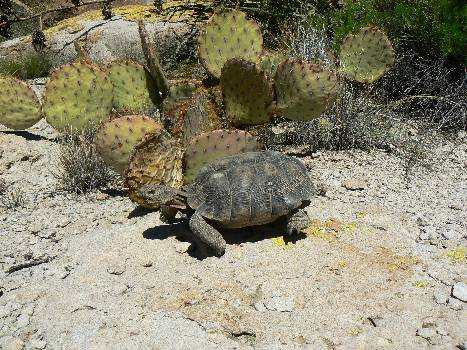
(80, 167)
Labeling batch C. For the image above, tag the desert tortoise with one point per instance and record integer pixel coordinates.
(247, 189)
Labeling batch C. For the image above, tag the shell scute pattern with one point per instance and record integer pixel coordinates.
(250, 189)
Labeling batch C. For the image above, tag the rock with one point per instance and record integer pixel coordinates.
(259, 306)
(440, 297)
(455, 304)
(430, 335)
(354, 184)
(107, 40)
(280, 303)
(459, 291)
(463, 345)
(22, 321)
(36, 344)
(26, 27)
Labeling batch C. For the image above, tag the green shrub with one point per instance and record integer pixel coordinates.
(30, 67)
(431, 25)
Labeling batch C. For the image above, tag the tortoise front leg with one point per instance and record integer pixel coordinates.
(297, 221)
(168, 214)
(206, 235)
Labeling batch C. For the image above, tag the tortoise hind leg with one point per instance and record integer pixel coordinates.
(206, 235)
(297, 221)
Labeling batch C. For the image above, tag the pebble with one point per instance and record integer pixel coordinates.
(22, 321)
(280, 303)
(116, 269)
(182, 247)
(459, 291)
(36, 344)
(353, 184)
(440, 296)
(455, 304)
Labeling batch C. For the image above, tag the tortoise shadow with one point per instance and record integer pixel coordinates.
(29, 136)
(251, 234)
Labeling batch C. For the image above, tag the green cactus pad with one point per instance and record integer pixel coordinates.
(116, 138)
(134, 91)
(19, 106)
(247, 93)
(157, 159)
(229, 34)
(213, 145)
(270, 61)
(366, 56)
(76, 94)
(304, 90)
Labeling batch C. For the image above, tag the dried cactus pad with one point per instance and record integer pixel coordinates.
(213, 145)
(304, 90)
(229, 34)
(157, 159)
(247, 93)
(367, 56)
(77, 94)
(19, 105)
(117, 137)
(134, 91)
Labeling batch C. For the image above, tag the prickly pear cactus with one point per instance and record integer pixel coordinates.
(304, 90)
(76, 94)
(247, 93)
(157, 159)
(19, 105)
(366, 56)
(116, 138)
(134, 90)
(180, 92)
(229, 34)
(270, 61)
(213, 145)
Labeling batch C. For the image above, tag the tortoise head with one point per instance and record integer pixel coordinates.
(157, 195)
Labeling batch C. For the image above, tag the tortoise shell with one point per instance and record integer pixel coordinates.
(252, 188)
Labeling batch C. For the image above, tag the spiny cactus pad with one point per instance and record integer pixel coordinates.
(304, 90)
(117, 137)
(134, 90)
(366, 56)
(76, 94)
(213, 145)
(229, 34)
(247, 93)
(19, 105)
(157, 159)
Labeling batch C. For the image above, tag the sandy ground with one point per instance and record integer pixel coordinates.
(382, 267)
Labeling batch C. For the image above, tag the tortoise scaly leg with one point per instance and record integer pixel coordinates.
(168, 214)
(206, 235)
(297, 221)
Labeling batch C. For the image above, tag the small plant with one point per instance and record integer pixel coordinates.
(80, 167)
(29, 67)
(11, 197)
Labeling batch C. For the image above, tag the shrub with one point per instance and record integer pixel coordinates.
(430, 25)
(80, 167)
(11, 197)
(29, 67)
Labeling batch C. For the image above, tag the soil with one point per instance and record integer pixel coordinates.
(383, 264)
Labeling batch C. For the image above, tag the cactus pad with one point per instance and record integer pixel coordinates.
(229, 34)
(117, 137)
(134, 90)
(304, 90)
(157, 159)
(213, 145)
(76, 94)
(367, 56)
(19, 105)
(270, 61)
(247, 93)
